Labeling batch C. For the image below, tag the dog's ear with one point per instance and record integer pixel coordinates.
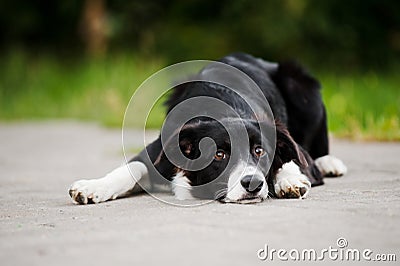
(287, 149)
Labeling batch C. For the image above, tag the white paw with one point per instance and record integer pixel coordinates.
(90, 191)
(291, 183)
(329, 165)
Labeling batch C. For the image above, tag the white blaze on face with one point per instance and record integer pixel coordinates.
(235, 189)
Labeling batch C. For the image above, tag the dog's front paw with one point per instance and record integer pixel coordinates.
(89, 191)
(330, 166)
(295, 186)
(291, 183)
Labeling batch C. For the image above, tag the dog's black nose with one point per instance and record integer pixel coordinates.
(251, 183)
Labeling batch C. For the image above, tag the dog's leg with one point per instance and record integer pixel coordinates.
(330, 166)
(290, 182)
(114, 184)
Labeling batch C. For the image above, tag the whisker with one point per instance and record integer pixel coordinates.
(221, 193)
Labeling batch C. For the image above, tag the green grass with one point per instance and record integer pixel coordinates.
(42, 87)
(363, 106)
(360, 105)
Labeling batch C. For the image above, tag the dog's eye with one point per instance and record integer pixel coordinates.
(220, 155)
(259, 151)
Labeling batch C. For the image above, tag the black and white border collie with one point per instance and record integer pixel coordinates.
(300, 161)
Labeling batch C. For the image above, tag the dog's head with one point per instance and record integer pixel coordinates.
(237, 170)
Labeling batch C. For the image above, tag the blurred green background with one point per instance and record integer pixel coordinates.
(83, 59)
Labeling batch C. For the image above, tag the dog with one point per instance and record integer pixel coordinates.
(297, 134)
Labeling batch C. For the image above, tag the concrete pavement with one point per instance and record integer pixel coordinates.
(39, 225)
